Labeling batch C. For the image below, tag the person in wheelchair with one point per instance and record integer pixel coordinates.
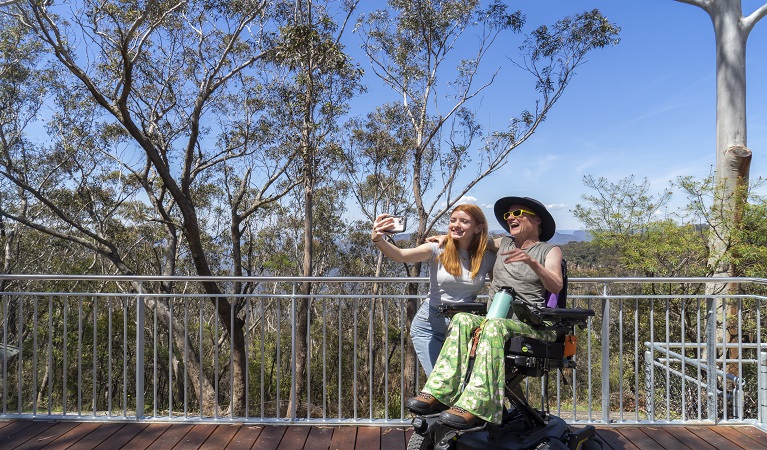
(533, 268)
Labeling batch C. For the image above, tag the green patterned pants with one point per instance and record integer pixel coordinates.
(483, 395)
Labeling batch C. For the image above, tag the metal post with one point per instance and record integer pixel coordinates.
(605, 356)
(140, 316)
(763, 386)
(649, 383)
(711, 376)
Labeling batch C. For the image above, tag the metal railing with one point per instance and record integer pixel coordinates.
(107, 348)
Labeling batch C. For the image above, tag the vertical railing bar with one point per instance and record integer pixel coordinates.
(385, 305)
(155, 338)
(186, 357)
(711, 348)
(20, 357)
(355, 327)
(700, 358)
(231, 357)
(263, 357)
(760, 382)
(605, 358)
(215, 359)
(651, 387)
(140, 340)
(293, 377)
(50, 356)
(636, 358)
(589, 358)
(110, 393)
(725, 407)
(279, 354)
(170, 354)
(401, 306)
(683, 340)
(65, 362)
(308, 364)
(80, 355)
(6, 306)
(325, 358)
(371, 363)
(740, 360)
(200, 373)
(620, 358)
(668, 360)
(35, 354)
(95, 355)
(247, 354)
(340, 352)
(125, 357)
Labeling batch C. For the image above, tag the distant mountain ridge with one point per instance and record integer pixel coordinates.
(560, 237)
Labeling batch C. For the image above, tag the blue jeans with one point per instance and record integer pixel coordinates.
(428, 332)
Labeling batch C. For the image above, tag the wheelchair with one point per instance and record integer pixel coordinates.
(523, 427)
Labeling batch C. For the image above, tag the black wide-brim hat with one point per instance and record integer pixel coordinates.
(548, 226)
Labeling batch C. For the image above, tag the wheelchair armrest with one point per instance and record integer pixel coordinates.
(563, 318)
(478, 308)
(565, 313)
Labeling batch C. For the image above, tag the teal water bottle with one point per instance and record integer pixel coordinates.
(499, 309)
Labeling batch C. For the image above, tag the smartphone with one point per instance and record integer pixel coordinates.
(400, 223)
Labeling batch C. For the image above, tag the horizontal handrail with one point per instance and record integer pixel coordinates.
(146, 355)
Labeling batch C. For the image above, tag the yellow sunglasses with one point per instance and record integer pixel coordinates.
(517, 213)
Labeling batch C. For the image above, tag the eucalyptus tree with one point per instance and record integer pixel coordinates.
(411, 46)
(22, 89)
(733, 157)
(160, 90)
(319, 80)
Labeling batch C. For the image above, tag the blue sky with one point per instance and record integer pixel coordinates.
(645, 107)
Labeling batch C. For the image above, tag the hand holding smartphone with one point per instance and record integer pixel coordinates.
(400, 223)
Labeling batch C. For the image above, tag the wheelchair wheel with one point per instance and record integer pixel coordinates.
(591, 444)
(420, 442)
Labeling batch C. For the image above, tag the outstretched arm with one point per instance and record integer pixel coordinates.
(382, 224)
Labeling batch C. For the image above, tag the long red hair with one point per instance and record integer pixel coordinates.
(477, 248)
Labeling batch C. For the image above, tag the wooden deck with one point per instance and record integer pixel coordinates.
(21, 434)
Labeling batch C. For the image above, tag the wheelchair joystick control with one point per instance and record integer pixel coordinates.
(499, 309)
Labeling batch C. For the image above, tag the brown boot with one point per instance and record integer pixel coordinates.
(424, 404)
(459, 418)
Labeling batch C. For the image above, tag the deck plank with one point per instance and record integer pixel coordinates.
(220, 438)
(246, 437)
(320, 437)
(270, 437)
(665, 438)
(614, 440)
(195, 437)
(639, 439)
(394, 437)
(344, 438)
(147, 436)
(48, 435)
(97, 437)
(369, 438)
(68, 439)
(755, 435)
(18, 435)
(713, 436)
(734, 434)
(170, 437)
(294, 438)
